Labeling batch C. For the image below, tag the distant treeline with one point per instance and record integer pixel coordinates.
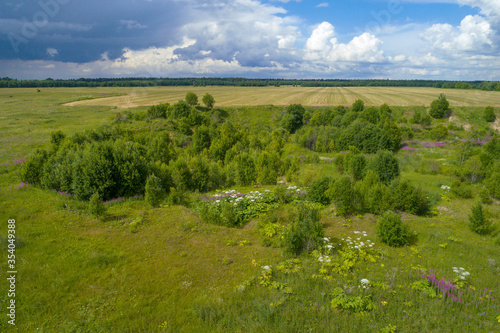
(243, 82)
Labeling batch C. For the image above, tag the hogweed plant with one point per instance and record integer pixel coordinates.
(354, 303)
(347, 254)
(461, 277)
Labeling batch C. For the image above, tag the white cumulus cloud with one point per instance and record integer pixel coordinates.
(324, 46)
(474, 34)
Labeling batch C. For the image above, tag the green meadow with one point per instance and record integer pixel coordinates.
(186, 265)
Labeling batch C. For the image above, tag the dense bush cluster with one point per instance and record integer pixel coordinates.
(369, 185)
(368, 129)
(171, 151)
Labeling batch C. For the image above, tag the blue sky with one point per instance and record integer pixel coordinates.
(396, 39)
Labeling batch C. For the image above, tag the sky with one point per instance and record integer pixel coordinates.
(302, 39)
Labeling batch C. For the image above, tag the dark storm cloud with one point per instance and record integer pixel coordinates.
(83, 31)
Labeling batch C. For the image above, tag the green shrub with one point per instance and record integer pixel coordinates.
(341, 192)
(386, 166)
(317, 190)
(293, 118)
(58, 170)
(153, 191)
(478, 222)
(489, 114)
(378, 198)
(358, 106)
(485, 196)
(56, 138)
(201, 138)
(409, 198)
(385, 108)
(493, 184)
(131, 168)
(439, 107)
(192, 98)
(439, 133)
(339, 162)
(461, 190)
(305, 233)
(178, 197)
(94, 170)
(31, 169)
(246, 171)
(391, 230)
(371, 114)
(268, 165)
(357, 166)
(200, 174)
(96, 206)
(180, 109)
(158, 111)
(181, 175)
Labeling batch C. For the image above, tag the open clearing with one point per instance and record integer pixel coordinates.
(166, 269)
(313, 96)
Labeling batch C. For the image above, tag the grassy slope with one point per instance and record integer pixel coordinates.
(78, 274)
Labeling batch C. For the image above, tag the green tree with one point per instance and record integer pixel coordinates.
(378, 197)
(371, 114)
(293, 118)
(392, 231)
(192, 98)
(246, 171)
(160, 148)
(473, 169)
(181, 109)
(96, 206)
(58, 169)
(439, 107)
(181, 175)
(408, 198)
(341, 192)
(386, 166)
(478, 222)
(489, 114)
(201, 138)
(208, 100)
(200, 173)
(318, 188)
(95, 171)
(384, 109)
(493, 184)
(305, 233)
(390, 136)
(268, 164)
(56, 137)
(31, 169)
(357, 166)
(153, 191)
(160, 110)
(358, 106)
(131, 167)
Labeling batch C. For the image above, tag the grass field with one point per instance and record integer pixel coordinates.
(77, 273)
(239, 96)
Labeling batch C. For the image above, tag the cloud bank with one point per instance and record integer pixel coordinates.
(243, 38)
